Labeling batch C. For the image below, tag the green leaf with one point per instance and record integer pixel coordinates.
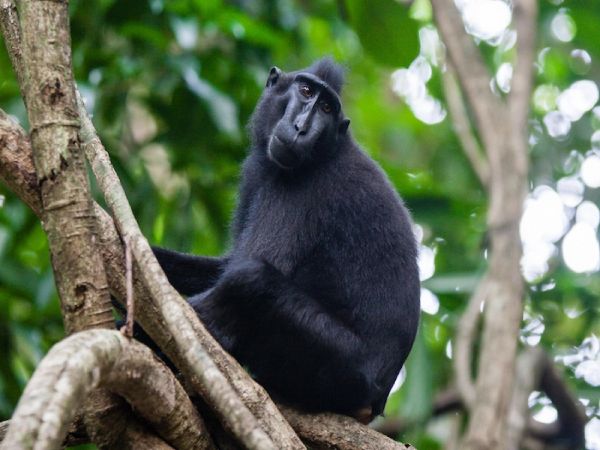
(386, 30)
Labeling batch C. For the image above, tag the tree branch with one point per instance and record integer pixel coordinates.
(101, 358)
(571, 414)
(76, 434)
(465, 336)
(332, 431)
(462, 127)
(68, 217)
(473, 75)
(524, 17)
(9, 24)
(17, 170)
(529, 370)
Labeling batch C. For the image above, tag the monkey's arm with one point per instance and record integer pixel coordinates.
(259, 293)
(189, 274)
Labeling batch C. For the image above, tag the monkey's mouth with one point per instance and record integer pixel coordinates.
(282, 154)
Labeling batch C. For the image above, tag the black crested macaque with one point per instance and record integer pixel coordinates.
(319, 294)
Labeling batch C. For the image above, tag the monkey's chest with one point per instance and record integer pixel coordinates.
(279, 231)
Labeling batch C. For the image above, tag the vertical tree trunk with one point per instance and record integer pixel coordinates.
(502, 127)
(68, 217)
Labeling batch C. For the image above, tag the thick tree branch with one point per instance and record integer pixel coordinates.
(101, 358)
(332, 431)
(68, 217)
(109, 423)
(76, 434)
(150, 387)
(66, 185)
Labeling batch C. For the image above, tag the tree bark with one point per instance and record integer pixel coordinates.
(102, 358)
(67, 217)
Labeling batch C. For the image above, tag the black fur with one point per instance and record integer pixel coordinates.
(319, 295)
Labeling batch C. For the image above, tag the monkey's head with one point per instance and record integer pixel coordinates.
(299, 118)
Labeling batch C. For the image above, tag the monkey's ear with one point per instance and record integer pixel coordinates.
(344, 126)
(274, 74)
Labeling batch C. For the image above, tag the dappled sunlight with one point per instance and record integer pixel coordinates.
(580, 249)
(578, 99)
(580, 62)
(557, 124)
(546, 219)
(485, 19)
(399, 381)
(533, 329)
(592, 434)
(549, 214)
(543, 223)
(430, 303)
(590, 170)
(547, 414)
(563, 27)
(504, 77)
(570, 190)
(584, 360)
(411, 84)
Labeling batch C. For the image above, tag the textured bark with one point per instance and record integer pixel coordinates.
(17, 171)
(102, 358)
(67, 211)
(110, 424)
(332, 431)
(68, 217)
(76, 434)
(9, 22)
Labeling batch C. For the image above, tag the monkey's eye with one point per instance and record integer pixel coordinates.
(326, 107)
(306, 90)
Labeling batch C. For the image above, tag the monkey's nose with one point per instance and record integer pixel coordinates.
(300, 127)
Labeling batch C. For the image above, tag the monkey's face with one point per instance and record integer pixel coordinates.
(308, 119)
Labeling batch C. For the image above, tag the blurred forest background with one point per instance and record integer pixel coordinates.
(171, 85)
